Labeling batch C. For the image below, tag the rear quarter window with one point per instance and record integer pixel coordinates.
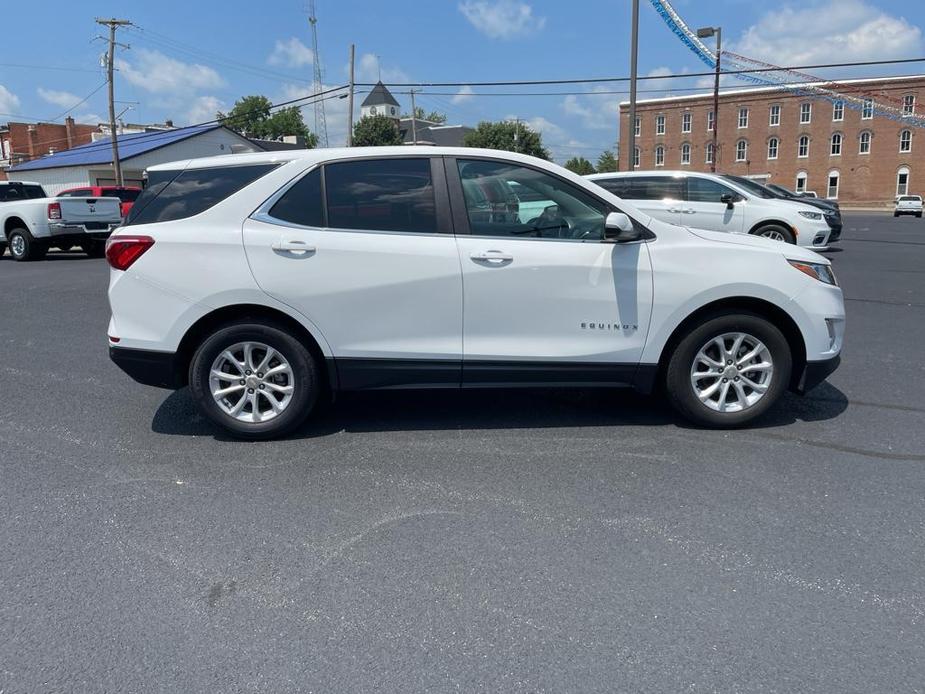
(173, 195)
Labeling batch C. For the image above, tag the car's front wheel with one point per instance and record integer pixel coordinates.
(254, 380)
(776, 232)
(729, 370)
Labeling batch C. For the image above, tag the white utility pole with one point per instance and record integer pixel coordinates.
(113, 24)
(414, 121)
(350, 100)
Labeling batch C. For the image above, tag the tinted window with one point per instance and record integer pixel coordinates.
(381, 195)
(302, 203)
(172, 195)
(517, 201)
(21, 192)
(705, 190)
(125, 195)
(618, 186)
(651, 188)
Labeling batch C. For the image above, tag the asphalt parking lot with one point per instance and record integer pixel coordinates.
(479, 541)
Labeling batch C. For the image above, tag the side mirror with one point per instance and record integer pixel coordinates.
(727, 198)
(618, 228)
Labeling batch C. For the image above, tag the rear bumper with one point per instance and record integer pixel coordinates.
(57, 229)
(815, 372)
(150, 368)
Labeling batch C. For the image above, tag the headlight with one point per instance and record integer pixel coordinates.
(818, 271)
(810, 215)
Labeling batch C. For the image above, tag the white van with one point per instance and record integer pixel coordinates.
(719, 203)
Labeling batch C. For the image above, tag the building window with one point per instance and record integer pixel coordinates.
(660, 124)
(711, 120)
(635, 157)
(685, 153)
(774, 118)
(864, 142)
(905, 141)
(803, 146)
(659, 156)
(835, 150)
(867, 110)
(743, 117)
(686, 122)
(709, 157)
(902, 181)
(638, 127)
(806, 113)
(909, 104)
(773, 145)
(838, 110)
(801, 182)
(832, 190)
(741, 150)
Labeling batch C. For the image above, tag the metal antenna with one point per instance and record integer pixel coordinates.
(321, 126)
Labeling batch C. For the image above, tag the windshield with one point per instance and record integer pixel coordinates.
(751, 186)
(910, 198)
(786, 192)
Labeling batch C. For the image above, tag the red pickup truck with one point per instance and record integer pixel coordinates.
(126, 194)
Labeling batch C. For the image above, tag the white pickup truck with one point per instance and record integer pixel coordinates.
(908, 204)
(32, 222)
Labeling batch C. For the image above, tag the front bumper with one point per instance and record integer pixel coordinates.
(815, 372)
(148, 367)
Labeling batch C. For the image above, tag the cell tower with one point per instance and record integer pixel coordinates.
(321, 126)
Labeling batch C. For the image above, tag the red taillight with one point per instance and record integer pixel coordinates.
(54, 210)
(122, 251)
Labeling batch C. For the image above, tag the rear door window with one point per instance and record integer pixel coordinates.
(381, 195)
(645, 187)
(172, 195)
(302, 204)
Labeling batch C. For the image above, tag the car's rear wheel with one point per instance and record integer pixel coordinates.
(729, 370)
(23, 247)
(254, 380)
(776, 232)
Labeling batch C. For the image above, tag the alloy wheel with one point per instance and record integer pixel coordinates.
(251, 382)
(732, 372)
(18, 246)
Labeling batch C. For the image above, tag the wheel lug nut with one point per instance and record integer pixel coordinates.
(259, 374)
(262, 386)
(736, 378)
(725, 380)
(729, 361)
(248, 371)
(241, 382)
(250, 390)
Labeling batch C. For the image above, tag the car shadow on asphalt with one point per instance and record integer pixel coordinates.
(446, 410)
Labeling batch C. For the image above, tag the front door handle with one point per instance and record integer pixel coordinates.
(299, 248)
(494, 257)
(688, 210)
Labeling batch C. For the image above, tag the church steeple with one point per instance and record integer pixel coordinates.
(380, 102)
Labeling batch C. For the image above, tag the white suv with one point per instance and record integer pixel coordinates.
(719, 203)
(264, 281)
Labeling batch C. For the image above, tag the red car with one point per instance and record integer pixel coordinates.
(127, 194)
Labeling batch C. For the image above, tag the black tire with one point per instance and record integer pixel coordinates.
(896, 214)
(918, 214)
(678, 385)
(94, 249)
(29, 249)
(769, 229)
(306, 380)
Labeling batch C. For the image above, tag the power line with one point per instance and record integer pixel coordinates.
(82, 101)
(595, 80)
(47, 67)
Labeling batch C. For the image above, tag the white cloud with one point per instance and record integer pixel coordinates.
(837, 30)
(556, 139)
(9, 102)
(502, 19)
(335, 111)
(58, 98)
(291, 53)
(155, 72)
(464, 94)
(597, 110)
(204, 108)
(89, 118)
(367, 70)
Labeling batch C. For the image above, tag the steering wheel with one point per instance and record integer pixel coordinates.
(548, 220)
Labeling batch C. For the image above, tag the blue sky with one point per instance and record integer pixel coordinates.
(188, 59)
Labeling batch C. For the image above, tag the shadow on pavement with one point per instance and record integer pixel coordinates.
(493, 409)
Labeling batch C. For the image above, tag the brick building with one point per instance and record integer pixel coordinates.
(802, 143)
(20, 142)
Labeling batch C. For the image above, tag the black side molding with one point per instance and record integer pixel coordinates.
(815, 373)
(148, 367)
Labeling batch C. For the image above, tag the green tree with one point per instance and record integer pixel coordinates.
(376, 131)
(580, 165)
(252, 117)
(607, 162)
(420, 114)
(508, 135)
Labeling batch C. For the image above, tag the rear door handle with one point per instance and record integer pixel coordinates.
(495, 257)
(299, 248)
(688, 210)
